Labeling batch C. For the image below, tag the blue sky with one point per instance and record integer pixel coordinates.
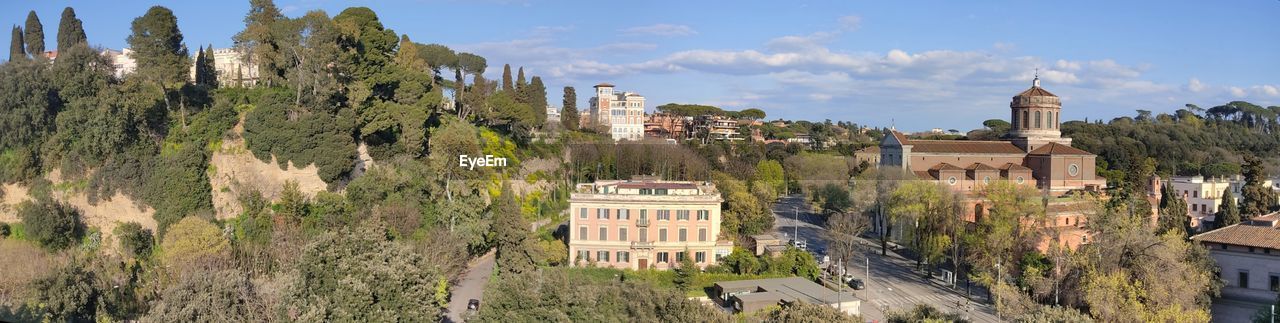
(917, 65)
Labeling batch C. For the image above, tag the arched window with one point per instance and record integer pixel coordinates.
(1037, 119)
(1048, 120)
(1014, 120)
(1024, 119)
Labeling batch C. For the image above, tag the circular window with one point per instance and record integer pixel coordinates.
(986, 179)
(951, 181)
(1020, 180)
(1073, 169)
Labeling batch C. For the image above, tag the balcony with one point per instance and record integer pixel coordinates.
(641, 245)
(642, 222)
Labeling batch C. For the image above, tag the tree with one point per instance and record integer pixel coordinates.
(997, 126)
(1228, 213)
(69, 293)
(520, 80)
(753, 114)
(834, 198)
(931, 212)
(569, 109)
(157, 46)
(803, 312)
(686, 272)
(34, 35)
(843, 230)
(262, 38)
(922, 313)
(135, 240)
(363, 276)
(70, 30)
(17, 49)
(538, 99)
(506, 78)
(1173, 212)
(770, 173)
(316, 68)
(1256, 196)
(438, 56)
(52, 225)
(209, 295)
(517, 249)
(192, 241)
(565, 295)
(999, 237)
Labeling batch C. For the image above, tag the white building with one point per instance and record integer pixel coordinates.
(621, 113)
(232, 68)
(1204, 195)
(553, 114)
(122, 61)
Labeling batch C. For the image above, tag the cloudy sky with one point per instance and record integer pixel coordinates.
(916, 65)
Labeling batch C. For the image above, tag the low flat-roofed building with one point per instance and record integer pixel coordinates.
(760, 242)
(757, 294)
(1248, 258)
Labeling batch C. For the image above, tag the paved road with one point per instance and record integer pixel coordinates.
(893, 286)
(471, 286)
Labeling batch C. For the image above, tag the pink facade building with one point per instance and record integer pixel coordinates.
(645, 224)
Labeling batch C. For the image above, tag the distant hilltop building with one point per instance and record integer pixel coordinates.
(645, 224)
(230, 64)
(1035, 155)
(620, 113)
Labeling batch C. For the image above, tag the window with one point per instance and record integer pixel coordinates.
(1250, 249)
(1024, 119)
(1222, 246)
(582, 213)
(604, 233)
(584, 255)
(986, 179)
(680, 256)
(663, 257)
(644, 234)
(602, 214)
(1020, 180)
(704, 215)
(624, 256)
(624, 214)
(701, 257)
(951, 180)
(1048, 120)
(1037, 119)
(622, 234)
(682, 215)
(662, 235)
(1073, 169)
(1014, 119)
(644, 214)
(664, 215)
(702, 234)
(1195, 194)
(1275, 283)
(602, 256)
(582, 233)
(684, 234)
(1243, 279)
(1195, 207)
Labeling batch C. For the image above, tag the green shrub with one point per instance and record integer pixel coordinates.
(273, 128)
(134, 239)
(52, 225)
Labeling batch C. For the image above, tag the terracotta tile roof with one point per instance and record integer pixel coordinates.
(965, 147)
(1054, 148)
(901, 138)
(1243, 234)
(924, 174)
(980, 166)
(1035, 91)
(1015, 167)
(944, 166)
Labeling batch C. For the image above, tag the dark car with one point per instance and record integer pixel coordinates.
(857, 284)
(473, 305)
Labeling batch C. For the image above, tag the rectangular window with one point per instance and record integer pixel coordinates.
(662, 235)
(1243, 279)
(702, 234)
(622, 234)
(704, 215)
(1195, 194)
(624, 214)
(602, 214)
(682, 215)
(604, 234)
(1195, 207)
(644, 235)
(582, 213)
(663, 257)
(624, 257)
(700, 257)
(664, 215)
(1275, 283)
(684, 234)
(644, 214)
(602, 256)
(680, 256)
(584, 255)
(582, 233)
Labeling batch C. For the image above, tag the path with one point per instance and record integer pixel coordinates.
(471, 286)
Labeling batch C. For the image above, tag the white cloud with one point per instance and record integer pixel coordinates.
(1194, 85)
(850, 22)
(1237, 92)
(1266, 90)
(661, 30)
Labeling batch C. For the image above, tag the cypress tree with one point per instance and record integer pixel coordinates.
(516, 249)
(210, 67)
(157, 46)
(569, 109)
(506, 77)
(70, 30)
(1228, 213)
(34, 35)
(1173, 212)
(520, 79)
(16, 47)
(1257, 198)
(538, 99)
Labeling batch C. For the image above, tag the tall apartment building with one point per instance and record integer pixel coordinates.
(1204, 195)
(621, 113)
(639, 224)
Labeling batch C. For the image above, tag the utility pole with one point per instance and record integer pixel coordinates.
(795, 225)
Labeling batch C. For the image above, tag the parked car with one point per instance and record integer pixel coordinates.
(857, 284)
(800, 244)
(848, 277)
(473, 306)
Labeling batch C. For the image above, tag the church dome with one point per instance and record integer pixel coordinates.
(1036, 96)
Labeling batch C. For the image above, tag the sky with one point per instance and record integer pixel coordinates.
(914, 65)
